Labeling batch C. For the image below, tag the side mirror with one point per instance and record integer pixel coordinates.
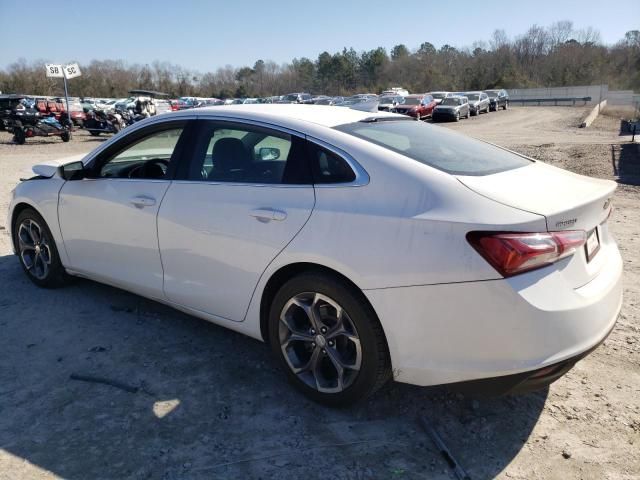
(73, 171)
(269, 153)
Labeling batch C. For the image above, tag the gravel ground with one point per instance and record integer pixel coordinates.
(211, 404)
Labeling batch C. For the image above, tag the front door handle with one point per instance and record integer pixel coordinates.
(142, 201)
(267, 214)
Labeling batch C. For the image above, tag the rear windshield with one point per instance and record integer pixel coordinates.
(437, 147)
(452, 101)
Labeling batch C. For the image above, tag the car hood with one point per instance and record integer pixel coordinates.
(49, 168)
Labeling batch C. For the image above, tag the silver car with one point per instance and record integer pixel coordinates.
(478, 102)
(452, 107)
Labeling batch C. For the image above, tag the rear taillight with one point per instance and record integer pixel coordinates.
(513, 253)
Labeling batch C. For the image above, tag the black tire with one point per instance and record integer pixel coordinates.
(506, 105)
(56, 275)
(18, 136)
(375, 365)
(457, 116)
(468, 114)
(65, 136)
(94, 133)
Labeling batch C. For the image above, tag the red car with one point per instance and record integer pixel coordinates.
(419, 106)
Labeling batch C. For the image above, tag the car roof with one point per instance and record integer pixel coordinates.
(287, 115)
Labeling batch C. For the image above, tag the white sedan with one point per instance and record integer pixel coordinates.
(361, 246)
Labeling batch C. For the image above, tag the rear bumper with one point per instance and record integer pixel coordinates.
(523, 382)
(451, 333)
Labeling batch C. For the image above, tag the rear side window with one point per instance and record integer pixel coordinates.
(437, 147)
(327, 167)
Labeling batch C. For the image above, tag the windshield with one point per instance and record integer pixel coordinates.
(411, 101)
(387, 99)
(290, 97)
(438, 95)
(451, 101)
(492, 94)
(472, 96)
(437, 147)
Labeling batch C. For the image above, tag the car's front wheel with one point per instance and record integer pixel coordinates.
(328, 339)
(37, 250)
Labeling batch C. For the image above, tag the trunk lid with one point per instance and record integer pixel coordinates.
(567, 200)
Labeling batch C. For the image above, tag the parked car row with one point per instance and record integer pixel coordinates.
(445, 105)
(436, 105)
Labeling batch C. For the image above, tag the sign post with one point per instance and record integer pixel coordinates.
(67, 72)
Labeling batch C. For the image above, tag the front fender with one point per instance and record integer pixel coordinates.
(41, 195)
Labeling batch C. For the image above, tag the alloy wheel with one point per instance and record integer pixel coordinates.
(34, 249)
(320, 342)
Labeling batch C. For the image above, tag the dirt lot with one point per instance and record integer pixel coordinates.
(212, 405)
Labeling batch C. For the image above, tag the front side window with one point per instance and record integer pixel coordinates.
(149, 157)
(437, 147)
(237, 153)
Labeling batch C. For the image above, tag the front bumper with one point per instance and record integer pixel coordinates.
(447, 114)
(410, 113)
(450, 333)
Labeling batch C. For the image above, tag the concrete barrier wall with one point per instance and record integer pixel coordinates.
(596, 92)
(593, 114)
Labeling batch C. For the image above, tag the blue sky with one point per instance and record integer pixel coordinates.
(204, 35)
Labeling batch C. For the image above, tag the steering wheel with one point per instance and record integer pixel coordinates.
(145, 170)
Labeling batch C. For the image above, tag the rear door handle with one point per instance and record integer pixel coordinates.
(267, 214)
(142, 201)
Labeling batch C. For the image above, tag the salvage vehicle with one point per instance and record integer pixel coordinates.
(28, 123)
(478, 102)
(416, 106)
(452, 108)
(8, 104)
(361, 246)
(295, 98)
(98, 122)
(76, 111)
(439, 96)
(497, 99)
(388, 103)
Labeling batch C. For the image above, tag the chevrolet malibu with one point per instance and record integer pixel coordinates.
(361, 246)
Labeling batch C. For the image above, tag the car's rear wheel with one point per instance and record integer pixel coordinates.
(457, 116)
(328, 339)
(37, 250)
(506, 105)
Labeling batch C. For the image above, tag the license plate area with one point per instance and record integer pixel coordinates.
(592, 245)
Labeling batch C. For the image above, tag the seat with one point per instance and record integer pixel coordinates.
(231, 160)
